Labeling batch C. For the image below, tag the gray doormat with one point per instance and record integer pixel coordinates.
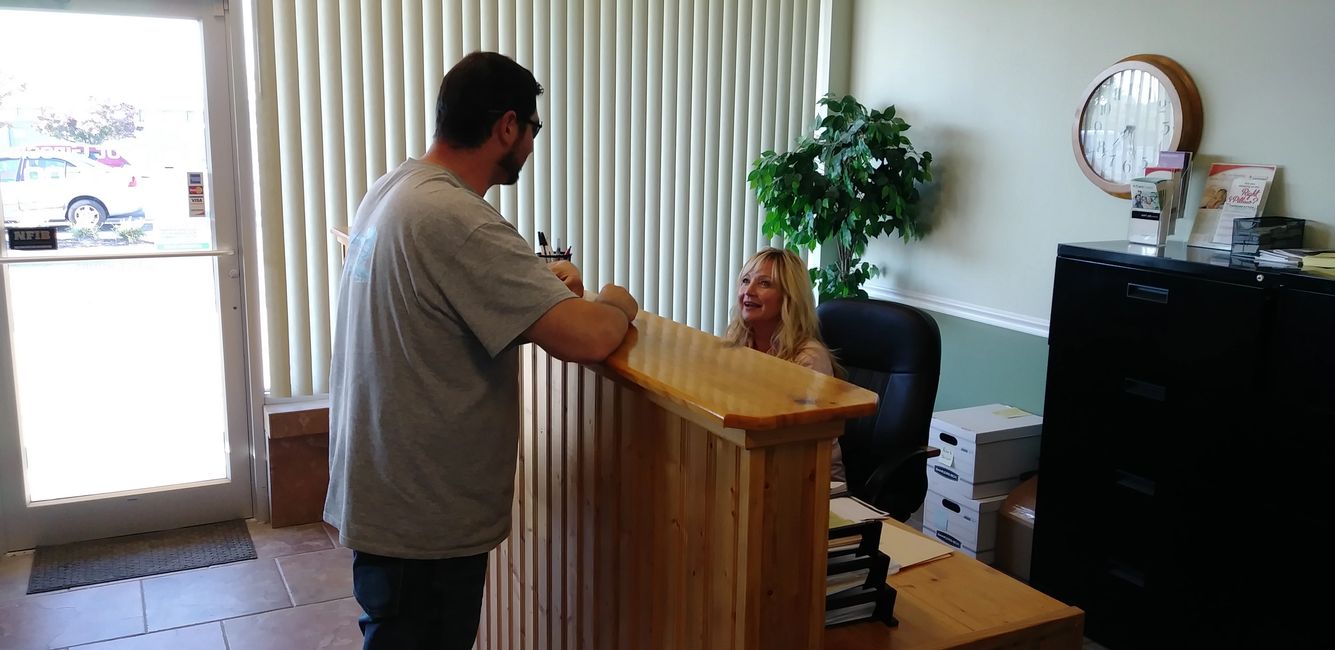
(135, 556)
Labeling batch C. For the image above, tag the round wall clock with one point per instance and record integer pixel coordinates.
(1140, 106)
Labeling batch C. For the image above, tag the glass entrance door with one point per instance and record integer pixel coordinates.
(122, 363)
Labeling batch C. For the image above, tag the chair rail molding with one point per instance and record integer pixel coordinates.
(968, 311)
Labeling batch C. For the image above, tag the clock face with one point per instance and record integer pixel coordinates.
(1127, 120)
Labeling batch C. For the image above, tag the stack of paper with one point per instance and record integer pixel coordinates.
(1296, 257)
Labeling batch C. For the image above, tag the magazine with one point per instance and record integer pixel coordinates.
(1206, 230)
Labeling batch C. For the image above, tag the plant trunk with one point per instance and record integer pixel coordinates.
(843, 260)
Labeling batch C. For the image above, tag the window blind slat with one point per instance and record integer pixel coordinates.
(373, 89)
(310, 108)
(650, 296)
(573, 95)
(334, 200)
(668, 190)
(682, 158)
(433, 64)
(354, 113)
(634, 235)
(560, 127)
(391, 29)
(698, 109)
(414, 86)
(293, 214)
(587, 249)
(270, 198)
(607, 78)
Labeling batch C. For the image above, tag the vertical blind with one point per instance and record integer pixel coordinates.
(653, 113)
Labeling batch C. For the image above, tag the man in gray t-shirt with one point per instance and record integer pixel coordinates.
(437, 292)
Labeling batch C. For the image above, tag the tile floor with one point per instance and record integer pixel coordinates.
(297, 595)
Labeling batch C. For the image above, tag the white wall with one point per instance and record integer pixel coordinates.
(991, 88)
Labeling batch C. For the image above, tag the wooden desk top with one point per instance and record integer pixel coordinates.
(959, 602)
(733, 386)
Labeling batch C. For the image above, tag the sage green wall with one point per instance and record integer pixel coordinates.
(991, 88)
(982, 364)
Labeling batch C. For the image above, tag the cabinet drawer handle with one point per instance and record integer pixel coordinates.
(1145, 389)
(1146, 293)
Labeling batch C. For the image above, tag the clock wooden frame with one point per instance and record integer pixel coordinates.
(1182, 93)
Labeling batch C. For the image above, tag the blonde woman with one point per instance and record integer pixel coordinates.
(776, 314)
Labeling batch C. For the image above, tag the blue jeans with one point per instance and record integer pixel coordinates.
(418, 604)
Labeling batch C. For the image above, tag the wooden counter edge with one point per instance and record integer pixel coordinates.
(1067, 624)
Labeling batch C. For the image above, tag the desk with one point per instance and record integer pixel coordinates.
(959, 602)
(675, 497)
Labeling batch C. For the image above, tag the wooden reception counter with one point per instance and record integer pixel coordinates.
(675, 497)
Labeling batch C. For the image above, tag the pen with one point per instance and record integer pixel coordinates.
(542, 242)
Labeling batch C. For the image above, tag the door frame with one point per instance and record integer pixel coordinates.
(229, 151)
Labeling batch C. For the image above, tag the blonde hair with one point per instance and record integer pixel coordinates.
(797, 315)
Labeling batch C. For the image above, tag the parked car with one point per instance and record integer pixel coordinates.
(42, 188)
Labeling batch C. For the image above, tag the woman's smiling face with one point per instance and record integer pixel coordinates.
(759, 298)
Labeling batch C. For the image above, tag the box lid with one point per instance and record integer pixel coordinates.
(988, 423)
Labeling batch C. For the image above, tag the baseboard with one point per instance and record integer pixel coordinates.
(968, 311)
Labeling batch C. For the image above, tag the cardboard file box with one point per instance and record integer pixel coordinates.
(984, 450)
(972, 521)
(956, 544)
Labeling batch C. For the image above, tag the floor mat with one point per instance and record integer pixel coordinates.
(135, 556)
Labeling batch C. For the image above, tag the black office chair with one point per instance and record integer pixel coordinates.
(894, 351)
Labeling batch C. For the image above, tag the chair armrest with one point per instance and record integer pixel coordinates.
(913, 459)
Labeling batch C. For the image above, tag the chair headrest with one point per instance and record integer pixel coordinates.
(880, 335)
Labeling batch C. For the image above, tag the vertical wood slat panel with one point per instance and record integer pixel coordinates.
(630, 523)
(542, 477)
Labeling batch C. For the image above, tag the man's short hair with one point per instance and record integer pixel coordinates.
(477, 91)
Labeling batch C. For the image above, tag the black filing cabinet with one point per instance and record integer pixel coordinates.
(1188, 411)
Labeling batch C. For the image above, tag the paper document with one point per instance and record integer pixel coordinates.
(907, 548)
(853, 511)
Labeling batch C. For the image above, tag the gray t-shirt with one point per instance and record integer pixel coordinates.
(423, 390)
